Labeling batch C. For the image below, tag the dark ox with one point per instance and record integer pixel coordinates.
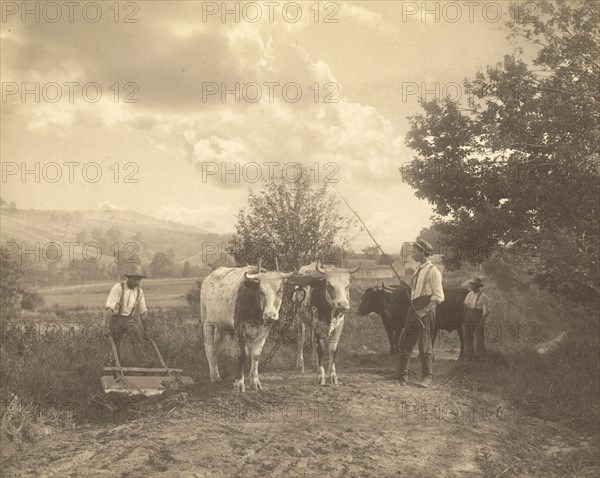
(243, 301)
(323, 299)
(392, 303)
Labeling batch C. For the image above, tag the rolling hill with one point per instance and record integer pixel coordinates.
(150, 234)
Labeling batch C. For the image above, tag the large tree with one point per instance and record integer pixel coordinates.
(290, 220)
(516, 165)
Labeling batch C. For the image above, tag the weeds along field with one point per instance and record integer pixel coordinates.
(540, 351)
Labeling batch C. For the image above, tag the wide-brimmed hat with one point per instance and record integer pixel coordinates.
(476, 281)
(424, 246)
(135, 271)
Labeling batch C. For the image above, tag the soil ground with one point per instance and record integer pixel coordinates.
(365, 426)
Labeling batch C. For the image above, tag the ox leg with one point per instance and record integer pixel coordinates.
(332, 345)
(320, 343)
(255, 351)
(301, 339)
(238, 385)
(389, 330)
(212, 343)
(396, 348)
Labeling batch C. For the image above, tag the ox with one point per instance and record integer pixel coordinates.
(392, 304)
(245, 301)
(322, 308)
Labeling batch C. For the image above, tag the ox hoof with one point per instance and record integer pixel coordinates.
(256, 384)
(239, 386)
(334, 379)
(321, 380)
(215, 378)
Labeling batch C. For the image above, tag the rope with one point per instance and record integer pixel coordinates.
(286, 325)
(382, 251)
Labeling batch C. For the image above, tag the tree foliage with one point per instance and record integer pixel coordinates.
(162, 265)
(11, 284)
(518, 165)
(290, 220)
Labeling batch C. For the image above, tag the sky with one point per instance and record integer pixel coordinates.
(136, 107)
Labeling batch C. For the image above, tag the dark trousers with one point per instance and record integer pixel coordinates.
(127, 334)
(413, 333)
(473, 333)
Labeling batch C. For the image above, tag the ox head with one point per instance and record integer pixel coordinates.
(371, 300)
(335, 281)
(269, 286)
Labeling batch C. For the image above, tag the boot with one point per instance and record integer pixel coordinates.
(426, 373)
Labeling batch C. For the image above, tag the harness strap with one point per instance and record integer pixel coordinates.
(122, 299)
(425, 279)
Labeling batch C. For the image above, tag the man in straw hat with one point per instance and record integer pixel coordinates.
(125, 302)
(476, 311)
(426, 294)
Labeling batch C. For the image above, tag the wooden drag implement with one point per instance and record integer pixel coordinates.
(141, 380)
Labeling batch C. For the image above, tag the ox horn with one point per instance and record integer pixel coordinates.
(254, 276)
(387, 288)
(321, 268)
(356, 269)
(276, 264)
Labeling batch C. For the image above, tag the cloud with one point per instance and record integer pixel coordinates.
(365, 17)
(108, 206)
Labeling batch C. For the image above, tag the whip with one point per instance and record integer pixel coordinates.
(382, 251)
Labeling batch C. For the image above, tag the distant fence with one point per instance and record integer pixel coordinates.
(374, 274)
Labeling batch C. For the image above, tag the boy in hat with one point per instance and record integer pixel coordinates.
(124, 300)
(426, 294)
(476, 311)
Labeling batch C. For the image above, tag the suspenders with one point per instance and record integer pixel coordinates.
(424, 283)
(477, 297)
(122, 299)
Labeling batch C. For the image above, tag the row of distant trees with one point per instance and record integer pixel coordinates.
(80, 271)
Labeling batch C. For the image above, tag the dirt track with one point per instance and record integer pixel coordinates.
(365, 426)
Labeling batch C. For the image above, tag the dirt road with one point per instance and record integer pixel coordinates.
(365, 426)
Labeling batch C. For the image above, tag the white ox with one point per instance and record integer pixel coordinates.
(322, 310)
(243, 301)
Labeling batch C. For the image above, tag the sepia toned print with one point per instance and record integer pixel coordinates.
(300, 238)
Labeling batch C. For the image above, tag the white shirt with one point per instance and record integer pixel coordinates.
(477, 300)
(428, 282)
(114, 299)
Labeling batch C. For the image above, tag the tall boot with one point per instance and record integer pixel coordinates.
(426, 370)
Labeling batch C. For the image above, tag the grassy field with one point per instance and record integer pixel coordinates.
(159, 293)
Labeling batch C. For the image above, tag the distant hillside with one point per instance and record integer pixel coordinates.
(151, 234)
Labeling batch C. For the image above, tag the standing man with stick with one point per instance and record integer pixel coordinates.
(125, 314)
(426, 294)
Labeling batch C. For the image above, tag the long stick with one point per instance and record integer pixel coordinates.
(379, 247)
(389, 261)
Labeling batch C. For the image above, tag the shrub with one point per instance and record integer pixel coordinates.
(31, 301)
